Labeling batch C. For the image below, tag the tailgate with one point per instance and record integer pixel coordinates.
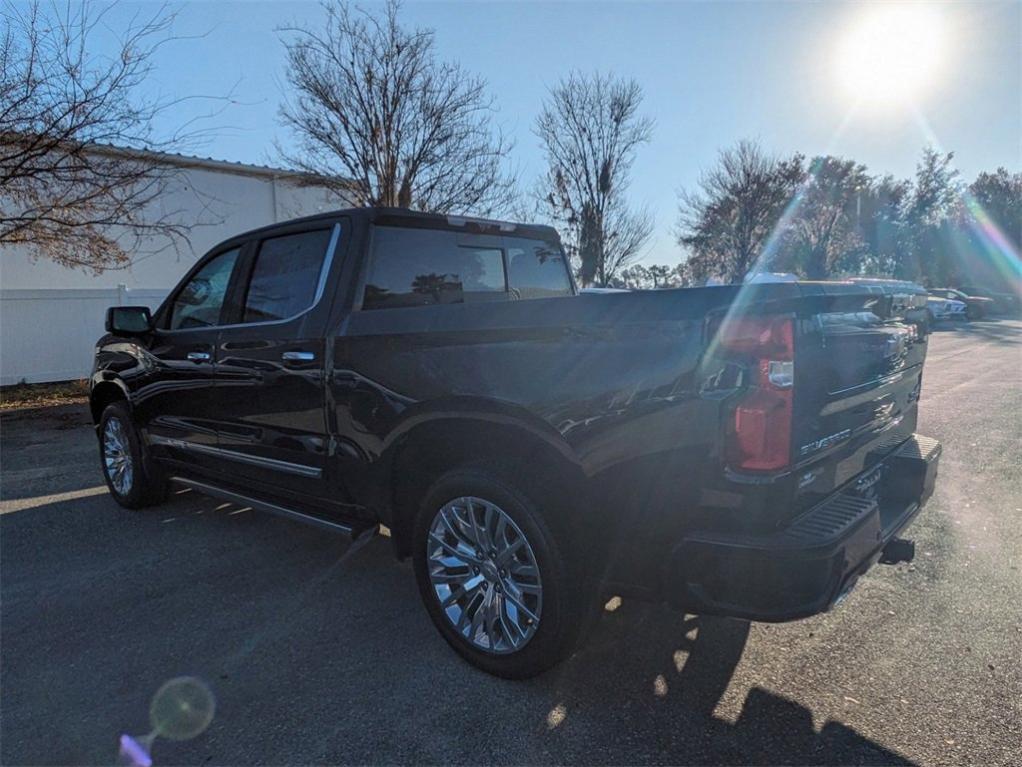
(858, 372)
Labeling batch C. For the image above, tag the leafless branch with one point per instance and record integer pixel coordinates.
(590, 129)
(63, 191)
(374, 110)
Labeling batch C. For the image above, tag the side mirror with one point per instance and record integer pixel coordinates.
(129, 320)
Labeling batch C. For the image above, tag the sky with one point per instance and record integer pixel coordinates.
(788, 74)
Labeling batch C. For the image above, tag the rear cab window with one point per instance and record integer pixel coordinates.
(423, 267)
(536, 269)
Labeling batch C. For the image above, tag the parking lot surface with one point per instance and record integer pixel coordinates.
(319, 653)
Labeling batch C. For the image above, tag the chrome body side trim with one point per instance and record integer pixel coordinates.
(298, 469)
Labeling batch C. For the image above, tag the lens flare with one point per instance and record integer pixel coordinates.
(134, 752)
(988, 253)
(182, 708)
(999, 251)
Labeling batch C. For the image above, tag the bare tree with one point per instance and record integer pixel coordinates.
(726, 223)
(590, 129)
(75, 184)
(375, 111)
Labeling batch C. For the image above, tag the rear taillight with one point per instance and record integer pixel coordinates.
(761, 437)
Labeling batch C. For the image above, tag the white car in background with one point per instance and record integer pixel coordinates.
(945, 308)
(758, 278)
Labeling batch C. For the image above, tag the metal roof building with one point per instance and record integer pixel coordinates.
(51, 315)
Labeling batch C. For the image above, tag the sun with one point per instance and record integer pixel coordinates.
(891, 54)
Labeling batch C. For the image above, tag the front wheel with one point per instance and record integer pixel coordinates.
(501, 586)
(127, 469)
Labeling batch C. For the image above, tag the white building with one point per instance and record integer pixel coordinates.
(51, 316)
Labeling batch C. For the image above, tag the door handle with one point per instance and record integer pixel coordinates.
(298, 356)
(198, 356)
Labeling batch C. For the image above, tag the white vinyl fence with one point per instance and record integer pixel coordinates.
(50, 334)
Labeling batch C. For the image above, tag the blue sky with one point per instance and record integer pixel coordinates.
(713, 73)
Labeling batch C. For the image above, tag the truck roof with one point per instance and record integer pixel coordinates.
(420, 219)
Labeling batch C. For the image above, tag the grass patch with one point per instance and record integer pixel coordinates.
(24, 395)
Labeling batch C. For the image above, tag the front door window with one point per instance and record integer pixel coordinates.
(199, 302)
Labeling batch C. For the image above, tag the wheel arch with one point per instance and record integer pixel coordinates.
(427, 449)
(104, 393)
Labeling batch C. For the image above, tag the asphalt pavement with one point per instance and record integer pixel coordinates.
(316, 652)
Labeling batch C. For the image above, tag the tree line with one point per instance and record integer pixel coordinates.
(829, 216)
(380, 119)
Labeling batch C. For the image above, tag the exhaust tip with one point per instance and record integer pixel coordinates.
(898, 550)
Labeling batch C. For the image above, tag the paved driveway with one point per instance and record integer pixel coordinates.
(317, 653)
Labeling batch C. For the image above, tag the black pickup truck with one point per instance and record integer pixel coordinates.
(742, 451)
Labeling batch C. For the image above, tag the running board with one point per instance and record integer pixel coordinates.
(273, 508)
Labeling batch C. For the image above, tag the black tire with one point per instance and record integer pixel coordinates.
(566, 597)
(147, 486)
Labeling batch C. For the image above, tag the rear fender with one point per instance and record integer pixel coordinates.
(428, 443)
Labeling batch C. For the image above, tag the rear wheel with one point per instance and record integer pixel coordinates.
(127, 468)
(501, 586)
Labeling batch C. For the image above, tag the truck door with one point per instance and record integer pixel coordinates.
(175, 404)
(270, 363)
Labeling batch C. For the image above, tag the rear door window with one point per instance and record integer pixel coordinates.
(285, 276)
(421, 267)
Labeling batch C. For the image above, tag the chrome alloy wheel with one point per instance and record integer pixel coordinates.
(117, 456)
(484, 574)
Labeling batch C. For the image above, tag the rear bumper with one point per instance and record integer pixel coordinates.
(808, 567)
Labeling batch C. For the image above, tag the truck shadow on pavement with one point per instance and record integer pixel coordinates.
(320, 653)
(686, 664)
